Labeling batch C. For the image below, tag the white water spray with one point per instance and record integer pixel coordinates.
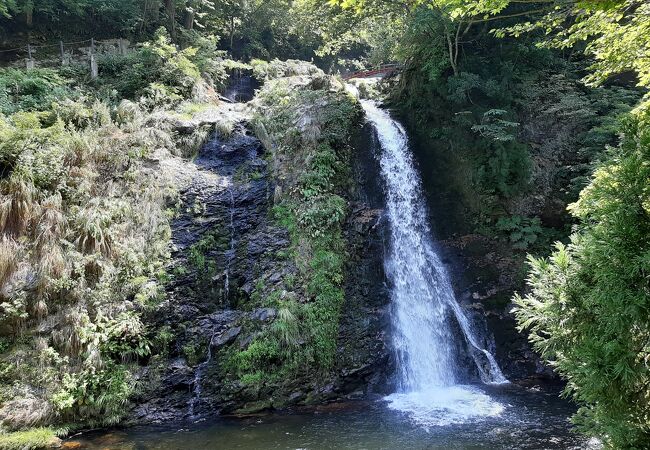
(424, 305)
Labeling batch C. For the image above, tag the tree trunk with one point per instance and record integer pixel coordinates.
(155, 11)
(451, 50)
(232, 32)
(189, 19)
(170, 8)
(29, 13)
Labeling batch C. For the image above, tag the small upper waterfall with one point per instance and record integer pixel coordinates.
(425, 311)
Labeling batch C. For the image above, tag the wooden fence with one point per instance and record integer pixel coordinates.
(63, 53)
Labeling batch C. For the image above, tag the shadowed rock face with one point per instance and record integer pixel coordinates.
(225, 246)
(241, 86)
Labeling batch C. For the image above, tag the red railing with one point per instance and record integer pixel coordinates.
(383, 69)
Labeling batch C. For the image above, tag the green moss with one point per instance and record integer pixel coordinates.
(316, 175)
(197, 253)
(192, 353)
(37, 438)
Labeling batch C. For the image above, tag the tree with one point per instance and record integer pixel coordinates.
(6, 6)
(456, 17)
(589, 306)
(588, 309)
(616, 33)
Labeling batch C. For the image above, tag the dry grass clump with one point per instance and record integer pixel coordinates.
(82, 215)
(93, 229)
(68, 336)
(8, 259)
(51, 224)
(19, 205)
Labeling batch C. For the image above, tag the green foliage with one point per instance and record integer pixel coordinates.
(191, 353)
(522, 232)
(34, 439)
(198, 251)
(322, 214)
(616, 33)
(31, 90)
(260, 356)
(587, 312)
(38, 150)
(264, 70)
(506, 170)
(101, 393)
(157, 70)
(493, 127)
(126, 338)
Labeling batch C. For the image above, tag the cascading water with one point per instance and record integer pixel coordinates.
(230, 254)
(424, 306)
(229, 257)
(197, 387)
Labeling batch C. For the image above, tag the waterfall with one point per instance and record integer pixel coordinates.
(424, 306)
(197, 387)
(230, 253)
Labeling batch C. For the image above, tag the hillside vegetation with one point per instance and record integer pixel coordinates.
(532, 105)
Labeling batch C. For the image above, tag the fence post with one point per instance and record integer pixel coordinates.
(29, 61)
(94, 71)
(122, 46)
(63, 61)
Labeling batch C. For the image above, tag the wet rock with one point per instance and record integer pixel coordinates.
(229, 257)
(264, 314)
(254, 407)
(226, 338)
(179, 375)
(246, 341)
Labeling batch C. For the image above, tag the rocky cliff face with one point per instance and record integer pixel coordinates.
(236, 268)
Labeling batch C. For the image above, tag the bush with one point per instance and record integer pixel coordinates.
(522, 232)
(31, 90)
(588, 308)
(159, 72)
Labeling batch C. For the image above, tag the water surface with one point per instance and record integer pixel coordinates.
(530, 419)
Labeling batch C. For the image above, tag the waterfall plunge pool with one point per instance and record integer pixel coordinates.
(533, 418)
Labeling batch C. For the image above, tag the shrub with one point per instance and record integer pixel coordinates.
(522, 232)
(587, 311)
(101, 394)
(31, 90)
(507, 169)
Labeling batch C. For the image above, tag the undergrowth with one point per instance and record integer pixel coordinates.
(85, 230)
